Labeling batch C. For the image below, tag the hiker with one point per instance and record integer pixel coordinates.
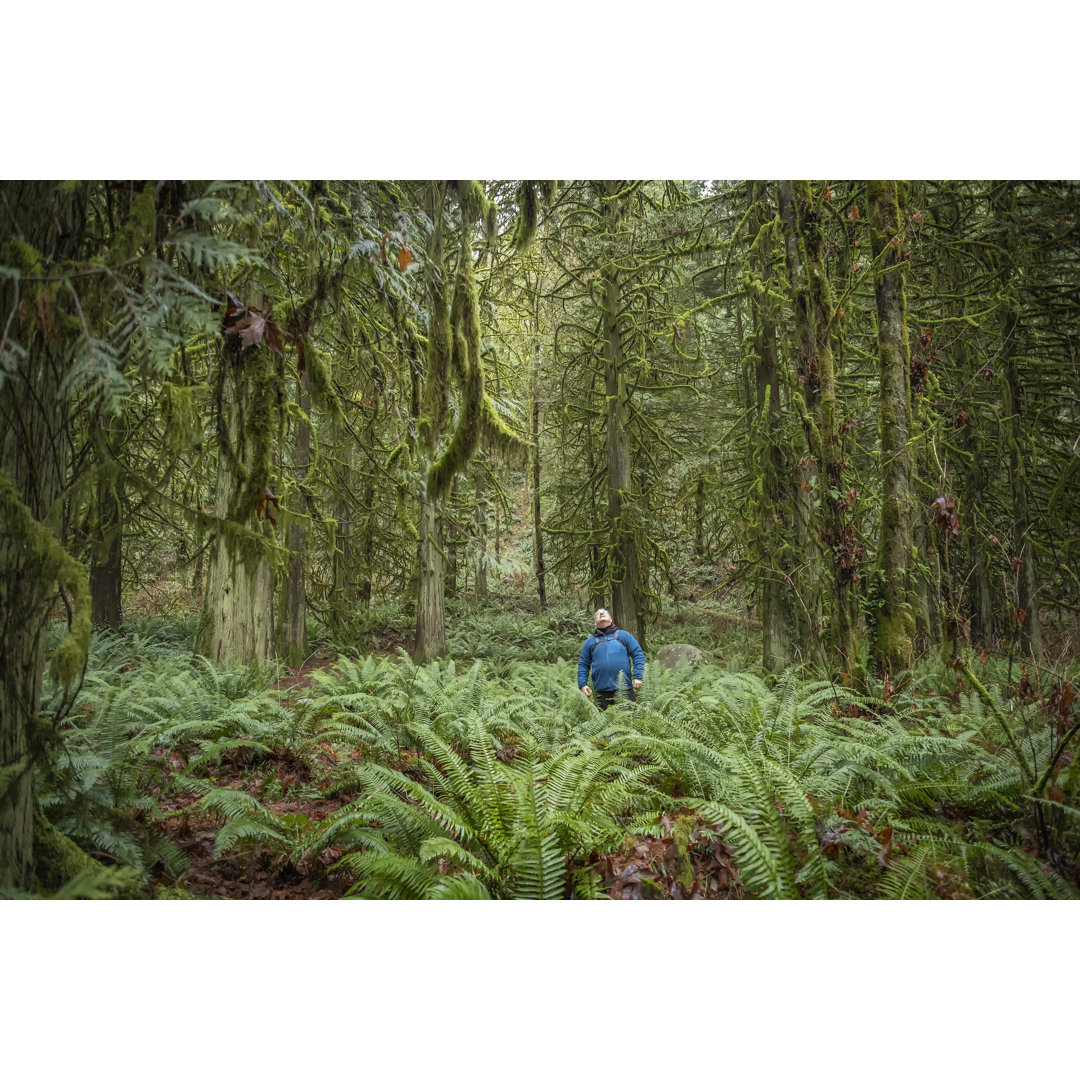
(608, 653)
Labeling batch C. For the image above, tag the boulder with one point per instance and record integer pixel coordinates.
(672, 655)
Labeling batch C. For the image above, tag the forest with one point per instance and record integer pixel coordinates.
(309, 491)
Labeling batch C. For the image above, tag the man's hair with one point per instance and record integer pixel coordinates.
(601, 611)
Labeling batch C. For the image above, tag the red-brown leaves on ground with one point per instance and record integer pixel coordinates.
(833, 837)
(649, 868)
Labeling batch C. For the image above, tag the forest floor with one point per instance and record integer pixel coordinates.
(294, 752)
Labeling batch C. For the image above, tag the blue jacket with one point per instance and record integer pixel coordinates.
(608, 652)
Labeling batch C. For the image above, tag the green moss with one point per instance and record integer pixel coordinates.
(48, 563)
(58, 860)
(652, 890)
(138, 229)
(528, 215)
(681, 835)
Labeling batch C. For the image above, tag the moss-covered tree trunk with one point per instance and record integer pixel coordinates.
(838, 531)
(1012, 410)
(1027, 613)
(480, 581)
(539, 566)
(807, 518)
(430, 639)
(237, 623)
(431, 603)
(979, 586)
(292, 631)
(34, 454)
(894, 633)
(771, 527)
(106, 552)
(626, 569)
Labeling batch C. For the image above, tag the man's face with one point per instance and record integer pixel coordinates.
(603, 620)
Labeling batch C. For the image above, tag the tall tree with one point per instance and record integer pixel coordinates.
(895, 628)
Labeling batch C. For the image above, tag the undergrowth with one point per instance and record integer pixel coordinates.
(491, 776)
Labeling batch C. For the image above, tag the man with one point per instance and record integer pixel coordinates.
(608, 653)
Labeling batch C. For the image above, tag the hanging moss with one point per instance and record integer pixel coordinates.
(528, 216)
(179, 412)
(47, 562)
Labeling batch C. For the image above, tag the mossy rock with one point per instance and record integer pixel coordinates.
(681, 653)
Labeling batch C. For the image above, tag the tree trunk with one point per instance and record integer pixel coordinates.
(771, 524)
(534, 453)
(894, 637)
(1012, 409)
(34, 451)
(431, 607)
(292, 631)
(237, 620)
(480, 588)
(838, 532)
(451, 545)
(808, 584)
(105, 565)
(626, 572)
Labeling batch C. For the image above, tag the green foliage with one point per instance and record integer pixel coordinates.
(500, 780)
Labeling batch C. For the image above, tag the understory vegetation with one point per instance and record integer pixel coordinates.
(308, 489)
(488, 775)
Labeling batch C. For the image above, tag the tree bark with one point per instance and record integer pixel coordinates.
(237, 623)
(534, 453)
(894, 637)
(838, 532)
(34, 450)
(480, 586)
(292, 631)
(809, 616)
(105, 566)
(431, 604)
(1012, 409)
(625, 571)
(770, 526)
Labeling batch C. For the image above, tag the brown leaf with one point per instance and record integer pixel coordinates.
(404, 259)
(251, 330)
(885, 851)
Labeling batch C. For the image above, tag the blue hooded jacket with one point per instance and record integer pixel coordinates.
(608, 652)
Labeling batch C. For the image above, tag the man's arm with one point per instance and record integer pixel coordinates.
(583, 666)
(639, 661)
